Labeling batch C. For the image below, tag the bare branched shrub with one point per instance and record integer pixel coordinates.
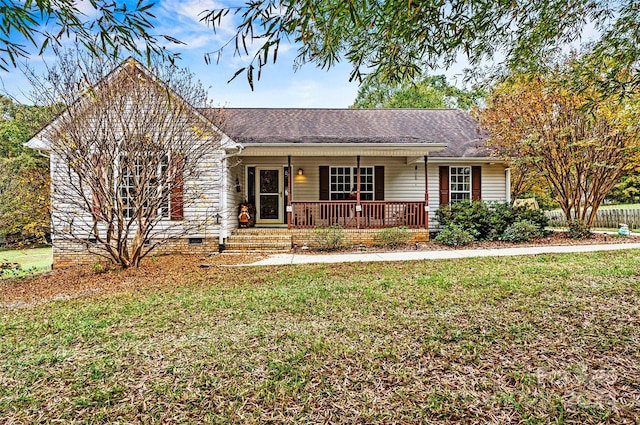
(133, 161)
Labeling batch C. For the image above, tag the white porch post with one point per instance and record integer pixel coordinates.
(426, 192)
(289, 188)
(224, 211)
(507, 184)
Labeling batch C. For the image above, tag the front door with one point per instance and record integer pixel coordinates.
(269, 183)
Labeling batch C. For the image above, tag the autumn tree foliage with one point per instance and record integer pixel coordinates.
(129, 154)
(24, 176)
(547, 129)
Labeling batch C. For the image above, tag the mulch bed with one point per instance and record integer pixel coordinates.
(74, 282)
(169, 271)
(554, 238)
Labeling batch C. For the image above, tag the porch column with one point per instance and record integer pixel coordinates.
(426, 193)
(358, 206)
(507, 184)
(289, 186)
(224, 211)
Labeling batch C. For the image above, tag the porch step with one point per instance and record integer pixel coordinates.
(283, 231)
(259, 240)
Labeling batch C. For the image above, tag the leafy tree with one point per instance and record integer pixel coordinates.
(627, 191)
(544, 124)
(128, 154)
(24, 200)
(428, 92)
(24, 175)
(396, 40)
(114, 27)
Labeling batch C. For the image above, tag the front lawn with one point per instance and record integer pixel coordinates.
(31, 260)
(544, 339)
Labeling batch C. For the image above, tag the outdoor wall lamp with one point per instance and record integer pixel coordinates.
(218, 217)
(237, 184)
(300, 172)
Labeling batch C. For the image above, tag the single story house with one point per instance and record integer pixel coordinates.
(299, 169)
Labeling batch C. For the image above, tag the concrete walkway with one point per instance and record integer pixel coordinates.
(280, 259)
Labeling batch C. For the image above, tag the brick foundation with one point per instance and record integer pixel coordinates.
(353, 236)
(70, 253)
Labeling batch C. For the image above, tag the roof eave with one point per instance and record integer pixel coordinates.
(38, 143)
(341, 149)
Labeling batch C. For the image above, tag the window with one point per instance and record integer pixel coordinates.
(135, 179)
(366, 183)
(342, 183)
(128, 190)
(460, 184)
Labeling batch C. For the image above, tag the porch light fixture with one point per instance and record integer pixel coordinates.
(238, 185)
(300, 172)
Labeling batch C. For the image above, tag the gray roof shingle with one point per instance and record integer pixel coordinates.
(456, 128)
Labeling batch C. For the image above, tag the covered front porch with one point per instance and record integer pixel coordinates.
(324, 186)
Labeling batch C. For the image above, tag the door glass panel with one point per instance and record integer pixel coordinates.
(269, 207)
(269, 181)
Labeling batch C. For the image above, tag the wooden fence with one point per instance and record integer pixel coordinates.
(604, 218)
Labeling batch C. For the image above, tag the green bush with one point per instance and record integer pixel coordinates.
(392, 237)
(578, 230)
(522, 231)
(501, 216)
(472, 217)
(488, 222)
(454, 235)
(329, 238)
(537, 217)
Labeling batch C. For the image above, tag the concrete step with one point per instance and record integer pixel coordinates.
(261, 231)
(258, 239)
(258, 246)
(266, 236)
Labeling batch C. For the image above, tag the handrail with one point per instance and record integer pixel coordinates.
(372, 214)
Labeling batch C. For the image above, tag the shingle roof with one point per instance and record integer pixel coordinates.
(456, 128)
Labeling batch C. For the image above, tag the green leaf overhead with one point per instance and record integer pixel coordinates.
(396, 40)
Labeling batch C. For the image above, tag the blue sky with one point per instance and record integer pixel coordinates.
(279, 86)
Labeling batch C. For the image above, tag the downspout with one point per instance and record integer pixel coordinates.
(426, 193)
(223, 231)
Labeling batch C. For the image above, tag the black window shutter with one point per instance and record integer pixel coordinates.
(176, 206)
(324, 183)
(444, 185)
(379, 182)
(476, 183)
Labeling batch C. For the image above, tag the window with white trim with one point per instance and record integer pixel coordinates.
(459, 184)
(134, 179)
(342, 183)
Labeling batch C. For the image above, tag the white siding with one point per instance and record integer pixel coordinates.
(198, 216)
(403, 182)
(493, 187)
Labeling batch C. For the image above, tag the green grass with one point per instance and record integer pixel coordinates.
(31, 261)
(543, 339)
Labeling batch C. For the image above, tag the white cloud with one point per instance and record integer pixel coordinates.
(85, 7)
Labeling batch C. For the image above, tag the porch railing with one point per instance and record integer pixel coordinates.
(372, 214)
